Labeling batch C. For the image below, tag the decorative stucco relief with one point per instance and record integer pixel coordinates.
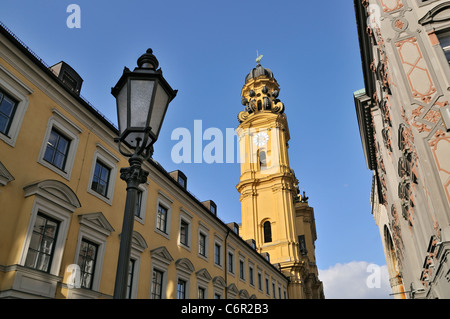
(391, 5)
(416, 70)
(440, 147)
(397, 235)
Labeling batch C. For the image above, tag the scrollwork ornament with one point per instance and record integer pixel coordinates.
(242, 116)
(278, 108)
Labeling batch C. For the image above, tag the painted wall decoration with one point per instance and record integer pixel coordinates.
(391, 5)
(440, 147)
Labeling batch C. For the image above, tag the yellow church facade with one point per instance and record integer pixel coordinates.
(62, 203)
(274, 214)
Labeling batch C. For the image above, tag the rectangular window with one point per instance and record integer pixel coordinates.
(217, 253)
(182, 181)
(86, 260)
(201, 293)
(251, 275)
(241, 270)
(42, 244)
(137, 211)
(267, 286)
(69, 81)
(260, 281)
(130, 278)
(230, 263)
(57, 149)
(100, 180)
(273, 290)
(181, 289)
(202, 244)
(157, 283)
(184, 233)
(444, 40)
(161, 221)
(7, 109)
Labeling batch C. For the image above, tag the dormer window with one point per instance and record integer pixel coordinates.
(71, 79)
(182, 181)
(234, 227)
(211, 206)
(179, 177)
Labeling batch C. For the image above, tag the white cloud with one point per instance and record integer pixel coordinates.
(356, 280)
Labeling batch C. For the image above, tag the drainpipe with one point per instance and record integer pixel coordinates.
(226, 264)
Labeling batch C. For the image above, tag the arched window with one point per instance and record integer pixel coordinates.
(262, 160)
(267, 232)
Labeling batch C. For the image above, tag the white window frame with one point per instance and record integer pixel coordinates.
(70, 131)
(53, 210)
(110, 160)
(135, 279)
(144, 192)
(219, 242)
(138, 245)
(219, 286)
(204, 287)
(203, 279)
(251, 274)
(166, 202)
(161, 263)
(184, 270)
(260, 283)
(274, 289)
(57, 201)
(187, 219)
(97, 235)
(242, 274)
(267, 284)
(230, 251)
(203, 230)
(20, 92)
(186, 281)
(163, 283)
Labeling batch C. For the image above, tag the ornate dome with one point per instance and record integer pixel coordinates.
(257, 72)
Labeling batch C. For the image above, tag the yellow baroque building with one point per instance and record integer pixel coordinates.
(62, 204)
(274, 214)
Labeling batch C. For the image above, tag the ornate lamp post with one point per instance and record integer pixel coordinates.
(142, 97)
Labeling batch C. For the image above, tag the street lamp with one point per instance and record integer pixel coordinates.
(142, 97)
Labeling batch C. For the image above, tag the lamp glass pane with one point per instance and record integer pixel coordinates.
(141, 97)
(159, 109)
(122, 108)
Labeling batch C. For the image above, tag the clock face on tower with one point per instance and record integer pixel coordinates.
(261, 139)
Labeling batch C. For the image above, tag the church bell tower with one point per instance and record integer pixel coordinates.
(274, 215)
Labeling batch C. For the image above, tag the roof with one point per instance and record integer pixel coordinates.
(258, 71)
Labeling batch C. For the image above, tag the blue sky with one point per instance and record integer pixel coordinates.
(205, 49)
